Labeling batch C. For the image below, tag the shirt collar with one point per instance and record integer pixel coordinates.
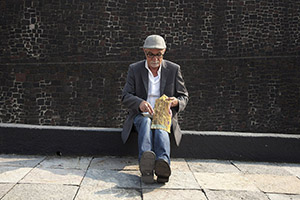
(159, 70)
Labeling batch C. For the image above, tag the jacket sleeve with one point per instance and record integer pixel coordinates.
(181, 91)
(129, 98)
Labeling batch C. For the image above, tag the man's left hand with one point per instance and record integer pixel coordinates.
(174, 101)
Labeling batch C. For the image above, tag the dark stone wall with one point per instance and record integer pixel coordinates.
(63, 94)
(255, 95)
(97, 30)
(65, 62)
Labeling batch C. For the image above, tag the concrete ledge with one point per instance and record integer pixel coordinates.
(51, 140)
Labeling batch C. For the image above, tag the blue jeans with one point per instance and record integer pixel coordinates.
(155, 140)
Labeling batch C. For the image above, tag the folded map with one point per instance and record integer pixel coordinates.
(162, 114)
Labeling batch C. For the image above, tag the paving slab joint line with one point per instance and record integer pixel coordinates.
(83, 178)
(193, 174)
(231, 162)
(141, 192)
(172, 189)
(8, 191)
(23, 177)
(76, 185)
(205, 194)
(31, 170)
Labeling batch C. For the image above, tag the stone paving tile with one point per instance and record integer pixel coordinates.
(292, 168)
(54, 176)
(283, 197)
(130, 163)
(115, 163)
(212, 166)
(66, 162)
(106, 179)
(12, 174)
(179, 164)
(4, 188)
(262, 168)
(222, 181)
(235, 195)
(276, 184)
(93, 193)
(158, 194)
(119, 178)
(41, 191)
(178, 180)
(20, 160)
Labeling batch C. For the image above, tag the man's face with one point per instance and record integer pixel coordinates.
(154, 57)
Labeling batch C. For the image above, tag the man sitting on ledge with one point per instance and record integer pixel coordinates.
(147, 80)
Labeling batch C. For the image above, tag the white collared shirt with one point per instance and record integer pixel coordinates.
(153, 85)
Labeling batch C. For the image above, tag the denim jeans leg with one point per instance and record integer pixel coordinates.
(145, 134)
(162, 145)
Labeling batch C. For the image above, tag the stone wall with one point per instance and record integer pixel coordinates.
(255, 95)
(65, 62)
(63, 94)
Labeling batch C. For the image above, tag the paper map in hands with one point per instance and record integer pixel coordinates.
(162, 114)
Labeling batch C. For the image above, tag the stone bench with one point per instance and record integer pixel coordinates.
(82, 141)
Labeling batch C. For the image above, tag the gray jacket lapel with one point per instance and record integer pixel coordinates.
(144, 74)
(163, 78)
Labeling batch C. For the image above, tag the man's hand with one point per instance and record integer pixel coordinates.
(146, 107)
(174, 101)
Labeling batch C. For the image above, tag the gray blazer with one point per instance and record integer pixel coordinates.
(136, 90)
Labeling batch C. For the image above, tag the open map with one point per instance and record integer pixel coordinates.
(162, 114)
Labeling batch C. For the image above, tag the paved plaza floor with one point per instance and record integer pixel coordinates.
(84, 178)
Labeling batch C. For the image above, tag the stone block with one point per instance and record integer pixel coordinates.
(234, 195)
(80, 163)
(283, 197)
(4, 188)
(112, 179)
(261, 168)
(113, 163)
(276, 184)
(12, 174)
(221, 181)
(20, 160)
(212, 166)
(177, 180)
(292, 168)
(54, 176)
(179, 164)
(95, 192)
(41, 191)
(158, 194)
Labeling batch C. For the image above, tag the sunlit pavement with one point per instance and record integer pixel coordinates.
(76, 178)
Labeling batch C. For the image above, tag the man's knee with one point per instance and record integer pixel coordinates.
(146, 121)
(142, 121)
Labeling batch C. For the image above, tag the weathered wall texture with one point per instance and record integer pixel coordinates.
(64, 62)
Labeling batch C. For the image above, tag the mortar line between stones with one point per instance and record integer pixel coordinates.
(79, 186)
(266, 194)
(32, 168)
(201, 189)
(232, 163)
(8, 191)
(244, 175)
(141, 188)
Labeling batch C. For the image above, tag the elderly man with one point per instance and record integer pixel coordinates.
(146, 81)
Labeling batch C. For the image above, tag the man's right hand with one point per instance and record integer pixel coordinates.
(146, 107)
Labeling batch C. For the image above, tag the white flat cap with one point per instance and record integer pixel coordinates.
(154, 42)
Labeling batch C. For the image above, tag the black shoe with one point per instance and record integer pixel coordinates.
(147, 163)
(162, 171)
